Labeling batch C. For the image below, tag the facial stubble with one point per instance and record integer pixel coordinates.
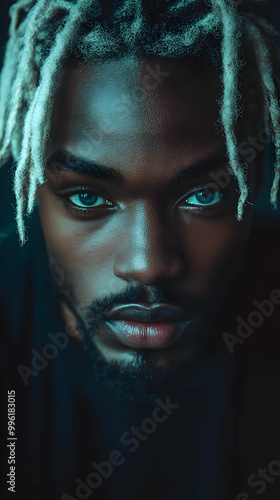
(141, 376)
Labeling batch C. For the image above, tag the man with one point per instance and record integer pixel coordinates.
(140, 285)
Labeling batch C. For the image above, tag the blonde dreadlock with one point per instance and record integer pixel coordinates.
(44, 33)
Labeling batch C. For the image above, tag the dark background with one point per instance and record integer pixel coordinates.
(271, 10)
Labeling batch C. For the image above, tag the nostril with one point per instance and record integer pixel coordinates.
(148, 269)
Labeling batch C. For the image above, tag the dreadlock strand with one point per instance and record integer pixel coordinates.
(43, 97)
(169, 42)
(25, 74)
(7, 76)
(20, 174)
(37, 48)
(9, 69)
(181, 5)
(265, 27)
(229, 113)
(131, 30)
(271, 98)
(204, 25)
(99, 43)
(15, 11)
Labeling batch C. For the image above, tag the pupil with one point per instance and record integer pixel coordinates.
(87, 198)
(206, 195)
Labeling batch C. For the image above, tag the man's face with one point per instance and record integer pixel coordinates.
(142, 235)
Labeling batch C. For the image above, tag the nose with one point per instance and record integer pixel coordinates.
(148, 251)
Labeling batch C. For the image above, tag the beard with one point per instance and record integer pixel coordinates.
(143, 375)
(143, 379)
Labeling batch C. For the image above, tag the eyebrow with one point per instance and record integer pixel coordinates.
(64, 161)
(200, 168)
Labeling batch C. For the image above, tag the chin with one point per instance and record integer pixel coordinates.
(142, 374)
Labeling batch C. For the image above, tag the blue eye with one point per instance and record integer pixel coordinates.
(88, 199)
(204, 197)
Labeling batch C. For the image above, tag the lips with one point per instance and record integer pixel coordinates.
(143, 326)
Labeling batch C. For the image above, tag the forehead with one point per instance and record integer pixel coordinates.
(130, 109)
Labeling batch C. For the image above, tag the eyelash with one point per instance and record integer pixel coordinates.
(207, 209)
(85, 211)
(196, 210)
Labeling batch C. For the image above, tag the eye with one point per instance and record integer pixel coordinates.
(88, 199)
(203, 197)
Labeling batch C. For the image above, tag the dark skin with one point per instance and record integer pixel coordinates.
(147, 229)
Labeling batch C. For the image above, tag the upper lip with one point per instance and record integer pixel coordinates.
(145, 313)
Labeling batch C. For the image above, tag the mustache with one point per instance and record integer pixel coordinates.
(138, 293)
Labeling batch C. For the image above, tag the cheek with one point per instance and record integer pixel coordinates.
(84, 249)
(212, 246)
(87, 249)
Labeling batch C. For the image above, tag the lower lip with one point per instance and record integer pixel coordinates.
(147, 335)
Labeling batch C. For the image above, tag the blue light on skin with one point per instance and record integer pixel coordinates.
(145, 228)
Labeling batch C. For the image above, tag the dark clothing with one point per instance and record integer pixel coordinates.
(226, 426)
